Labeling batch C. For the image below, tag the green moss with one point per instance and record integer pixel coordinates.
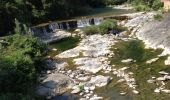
(142, 72)
(63, 45)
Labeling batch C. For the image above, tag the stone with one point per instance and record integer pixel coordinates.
(61, 65)
(157, 90)
(123, 93)
(167, 61)
(86, 88)
(161, 79)
(163, 73)
(54, 84)
(120, 80)
(151, 81)
(100, 80)
(54, 36)
(127, 61)
(124, 68)
(54, 49)
(135, 92)
(95, 97)
(152, 60)
(165, 91)
(167, 77)
(92, 88)
(89, 64)
(75, 91)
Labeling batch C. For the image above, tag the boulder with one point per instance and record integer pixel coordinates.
(54, 84)
(93, 65)
(100, 80)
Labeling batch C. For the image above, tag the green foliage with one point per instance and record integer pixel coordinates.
(157, 4)
(145, 5)
(158, 17)
(107, 25)
(89, 30)
(18, 59)
(142, 7)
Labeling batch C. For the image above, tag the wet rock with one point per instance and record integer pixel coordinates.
(152, 60)
(167, 77)
(123, 93)
(163, 73)
(120, 80)
(151, 81)
(127, 61)
(157, 90)
(165, 91)
(161, 79)
(135, 92)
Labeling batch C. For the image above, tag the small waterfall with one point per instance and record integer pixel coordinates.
(54, 26)
(83, 23)
(97, 21)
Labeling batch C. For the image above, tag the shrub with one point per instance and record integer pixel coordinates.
(157, 4)
(142, 7)
(107, 25)
(158, 17)
(18, 69)
(89, 30)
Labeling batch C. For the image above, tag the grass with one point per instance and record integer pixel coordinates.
(63, 45)
(142, 72)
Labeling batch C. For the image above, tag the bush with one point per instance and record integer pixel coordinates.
(158, 17)
(18, 69)
(157, 4)
(107, 25)
(143, 5)
(89, 30)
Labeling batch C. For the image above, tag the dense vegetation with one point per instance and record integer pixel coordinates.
(20, 63)
(146, 5)
(107, 26)
(31, 12)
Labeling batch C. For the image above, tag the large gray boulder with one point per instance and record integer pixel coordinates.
(54, 84)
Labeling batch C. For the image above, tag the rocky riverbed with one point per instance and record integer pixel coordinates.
(88, 67)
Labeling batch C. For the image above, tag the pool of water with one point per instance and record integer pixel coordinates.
(142, 72)
(63, 45)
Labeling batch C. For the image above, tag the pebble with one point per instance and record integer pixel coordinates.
(157, 90)
(161, 79)
(163, 73)
(135, 92)
(123, 93)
